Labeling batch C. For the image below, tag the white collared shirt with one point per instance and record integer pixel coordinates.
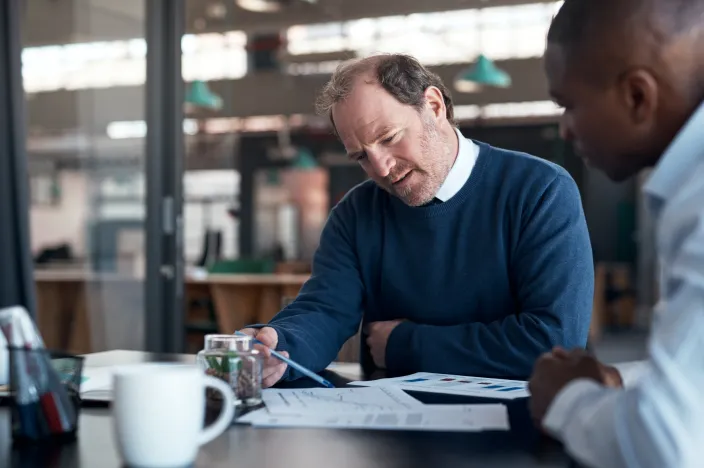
(658, 419)
(467, 155)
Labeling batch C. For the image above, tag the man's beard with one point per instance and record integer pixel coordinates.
(435, 168)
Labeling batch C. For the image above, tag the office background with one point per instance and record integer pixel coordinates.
(164, 175)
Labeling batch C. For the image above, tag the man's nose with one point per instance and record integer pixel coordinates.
(381, 162)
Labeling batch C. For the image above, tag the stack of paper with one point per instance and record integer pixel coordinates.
(383, 408)
(97, 383)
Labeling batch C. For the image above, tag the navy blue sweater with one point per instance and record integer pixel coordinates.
(487, 281)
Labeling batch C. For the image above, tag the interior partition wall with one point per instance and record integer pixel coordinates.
(164, 168)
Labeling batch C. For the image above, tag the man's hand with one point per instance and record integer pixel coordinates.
(555, 370)
(611, 377)
(377, 336)
(272, 368)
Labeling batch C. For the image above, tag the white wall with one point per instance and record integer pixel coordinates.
(65, 222)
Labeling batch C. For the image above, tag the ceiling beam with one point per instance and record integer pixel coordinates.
(89, 111)
(332, 10)
(68, 21)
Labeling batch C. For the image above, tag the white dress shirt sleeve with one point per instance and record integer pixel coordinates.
(631, 372)
(658, 421)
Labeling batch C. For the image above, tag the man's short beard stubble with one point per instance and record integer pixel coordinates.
(436, 166)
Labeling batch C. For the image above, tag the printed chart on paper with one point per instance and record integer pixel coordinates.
(454, 385)
(338, 400)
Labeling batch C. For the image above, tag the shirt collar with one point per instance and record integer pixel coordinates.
(676, 163)
(467, 154)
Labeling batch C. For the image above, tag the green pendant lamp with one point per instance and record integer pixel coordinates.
(200, 96)
(305, 160)
(484, 73)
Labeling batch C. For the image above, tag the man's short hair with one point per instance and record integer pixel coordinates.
(400, 75)
(604, 36)
(582, 21)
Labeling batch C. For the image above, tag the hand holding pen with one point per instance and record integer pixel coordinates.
(275, 363)
(272, 368)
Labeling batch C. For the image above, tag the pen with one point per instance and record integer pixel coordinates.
(293, 364)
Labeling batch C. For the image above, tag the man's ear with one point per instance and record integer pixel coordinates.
(435, 102)
(639, 92)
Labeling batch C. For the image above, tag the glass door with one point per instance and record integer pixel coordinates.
(84, 68)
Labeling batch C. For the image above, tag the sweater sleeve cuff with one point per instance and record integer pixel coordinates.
(400, 354)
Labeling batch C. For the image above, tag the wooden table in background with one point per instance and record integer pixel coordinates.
(246, 299)
(242, 300)
(84, 312)
(77, 309)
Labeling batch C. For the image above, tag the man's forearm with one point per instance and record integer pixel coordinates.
(312, 339)
(502, 349)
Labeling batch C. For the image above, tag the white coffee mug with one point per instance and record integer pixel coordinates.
(158, 413)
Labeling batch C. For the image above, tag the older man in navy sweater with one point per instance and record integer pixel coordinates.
(456, 257)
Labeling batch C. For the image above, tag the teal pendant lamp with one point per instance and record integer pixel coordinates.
(200, 96)
(305, 160)
(484, 73)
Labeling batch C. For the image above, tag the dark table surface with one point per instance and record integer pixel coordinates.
(243, 446)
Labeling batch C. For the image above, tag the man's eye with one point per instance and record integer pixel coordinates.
(388, 140)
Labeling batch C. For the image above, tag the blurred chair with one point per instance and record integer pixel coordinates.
(212, 248)
(200, 317)
(614, 299)
(57, 253)
(200, 312)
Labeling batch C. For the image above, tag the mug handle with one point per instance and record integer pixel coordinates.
(228, 412)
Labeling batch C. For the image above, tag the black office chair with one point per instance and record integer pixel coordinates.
(212, 248)
(60, 252)
(212, 252)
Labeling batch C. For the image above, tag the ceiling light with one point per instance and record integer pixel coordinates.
(483, 73)
(267, 6)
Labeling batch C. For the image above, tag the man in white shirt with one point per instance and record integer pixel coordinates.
(630, 75)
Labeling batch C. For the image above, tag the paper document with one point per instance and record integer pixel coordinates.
(323, 401)
(96, 384)
(425, 418)
(97, 381)
(454, 385)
